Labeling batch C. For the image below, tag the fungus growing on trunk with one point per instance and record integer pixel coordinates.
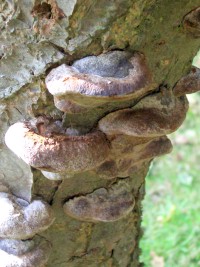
(45, 148)
(21, 220)
(28, 253)
(156, 115)
(96, 80)
(188, 84)
(121, 164)
(102, 205)
(191, 22)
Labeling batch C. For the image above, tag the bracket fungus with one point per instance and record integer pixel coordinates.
(43, 148)
(96, 80)
(21, 220)
(188, 84)
(156, 115)
(28, 253)
(121, 164)
(191, 22)
(102, 205)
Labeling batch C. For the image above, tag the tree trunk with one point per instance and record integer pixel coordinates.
(100, 222)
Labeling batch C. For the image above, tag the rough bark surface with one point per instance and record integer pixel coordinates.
(37, 36)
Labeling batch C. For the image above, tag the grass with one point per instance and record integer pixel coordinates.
(171, 217)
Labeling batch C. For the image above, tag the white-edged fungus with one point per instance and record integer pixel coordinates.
(21, 220)
(28, 253)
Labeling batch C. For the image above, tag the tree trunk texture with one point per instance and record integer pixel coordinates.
(100, 224)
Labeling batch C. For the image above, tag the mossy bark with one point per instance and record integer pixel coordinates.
(36, 38)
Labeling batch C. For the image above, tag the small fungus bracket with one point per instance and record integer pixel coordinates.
(21, 220)
(103, 205)
(188, 84)
(155, 115)
(191, 22)
(30, 253)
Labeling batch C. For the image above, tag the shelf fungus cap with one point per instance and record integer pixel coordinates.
(28, 253)
(56, 152)
(191, 22)
(155, 115)
(95, 80)
(21, 220)
(103, 205)
(121, 164)
(188, 84)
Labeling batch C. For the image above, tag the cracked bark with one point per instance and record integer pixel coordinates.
(32, 44)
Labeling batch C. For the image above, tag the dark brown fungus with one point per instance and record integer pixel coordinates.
(155, 148)
(156, 115)
(28, 253)
(45, 149)
(103, 205)
(191, 22)
(188, 84)
(120, 165)
(21, 220)
(95, 80)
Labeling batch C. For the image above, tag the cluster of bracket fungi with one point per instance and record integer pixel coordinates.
(20, 222)
(119, 143)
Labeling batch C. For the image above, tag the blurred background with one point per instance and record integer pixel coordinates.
(171, 209)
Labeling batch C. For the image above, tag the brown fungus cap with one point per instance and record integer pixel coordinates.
(188, 84)
(191, 22)
(28, 253)
(95, 80)
(56, 152)
(120, 165)
(103, 205)
(156, 115)
(21, 220)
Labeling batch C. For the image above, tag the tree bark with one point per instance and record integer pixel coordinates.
(38, 36)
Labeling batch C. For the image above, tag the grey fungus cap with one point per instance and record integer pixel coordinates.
(95, 80)
(21, 220)
(28, 253)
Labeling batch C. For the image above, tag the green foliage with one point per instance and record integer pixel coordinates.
(171, 208)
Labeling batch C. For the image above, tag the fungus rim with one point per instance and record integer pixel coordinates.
(50, 153)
